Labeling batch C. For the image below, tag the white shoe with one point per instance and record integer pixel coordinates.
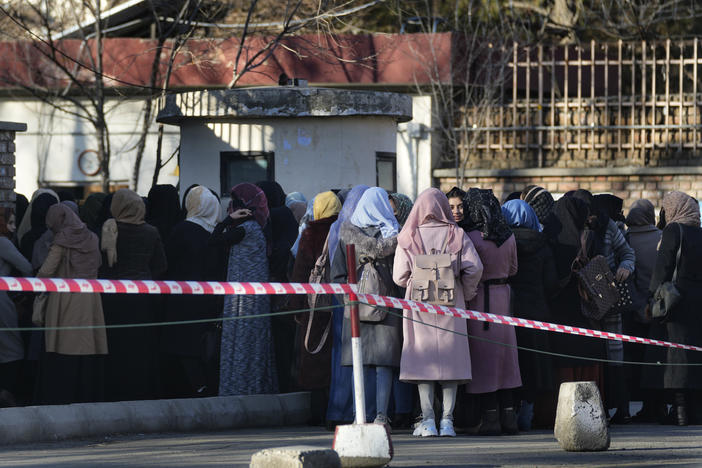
(426, 429)
(381, 419)
(446, 428)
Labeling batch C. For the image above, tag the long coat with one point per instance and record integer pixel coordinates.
(381, 341)
(11, 346)
(495, 367)
(435, 347)
(535, 280)
(314, 370)
(684, 325)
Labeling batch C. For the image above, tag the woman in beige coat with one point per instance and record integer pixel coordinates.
(71, 369)
(435, 347)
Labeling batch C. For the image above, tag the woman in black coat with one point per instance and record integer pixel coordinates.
(533, 284)
(189, 359)
(685, 382)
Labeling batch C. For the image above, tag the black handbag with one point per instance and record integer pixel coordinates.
(667, 295)
(596, 285)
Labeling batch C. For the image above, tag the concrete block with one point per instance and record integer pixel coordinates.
(581, 423)
(363, 445)
(263, 411)
(296, 408)
(296, 457)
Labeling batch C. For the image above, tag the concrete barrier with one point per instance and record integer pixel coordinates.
(581, 423)
(45, 423)
(295, 457)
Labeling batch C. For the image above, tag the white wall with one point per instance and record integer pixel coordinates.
(54, 139)
(312, 155)
(415, 156)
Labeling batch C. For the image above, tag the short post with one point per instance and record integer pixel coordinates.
(359, 389)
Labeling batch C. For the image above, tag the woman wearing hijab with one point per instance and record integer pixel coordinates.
(495, 367)
(682, 213)
(71, 369)
(340, 409)
(314, 370)
(11, 344)
(373, 229)
(533, 284)
(435, 349)
(163, 209)
(90, 211)
(26, 224)
(35, 219)
(572, 214)
(283, 232)
(606, 239)
(247, 362)
(643, 236)
(21, 205)
(133, 250)
(186, 370)
(401, 206)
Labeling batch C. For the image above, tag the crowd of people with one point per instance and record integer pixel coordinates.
(514, 258)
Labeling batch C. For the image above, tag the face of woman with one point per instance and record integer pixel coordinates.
(11, 227)
(394, 207)
(456, 205)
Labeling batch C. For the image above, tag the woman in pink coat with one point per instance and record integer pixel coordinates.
(435, 348)
(495, 366)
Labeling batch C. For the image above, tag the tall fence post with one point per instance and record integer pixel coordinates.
(359, 390)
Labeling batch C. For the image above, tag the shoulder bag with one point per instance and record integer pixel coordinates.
(596, 285)
(667, 295)
(319, 274)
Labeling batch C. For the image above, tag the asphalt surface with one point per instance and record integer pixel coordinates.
(642, 445)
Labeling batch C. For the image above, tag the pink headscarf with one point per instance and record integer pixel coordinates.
(431, 205)
(254, 199)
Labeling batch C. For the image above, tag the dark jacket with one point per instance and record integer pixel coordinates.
(644, 240)
(381, 341)
(314, 370)
(685, 325)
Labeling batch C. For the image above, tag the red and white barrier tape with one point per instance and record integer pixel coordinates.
(222, 287)
(165, 287)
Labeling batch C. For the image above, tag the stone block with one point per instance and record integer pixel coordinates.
(7, 183)
(7, 158)
(295, 457)
(581, 423)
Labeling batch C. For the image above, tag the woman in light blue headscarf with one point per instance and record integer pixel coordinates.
(308, 216)
(373, 230)
(518, 213)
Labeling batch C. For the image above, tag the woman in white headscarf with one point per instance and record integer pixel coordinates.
(186, 368)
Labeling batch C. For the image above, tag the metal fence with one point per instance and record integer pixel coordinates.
(605, 104)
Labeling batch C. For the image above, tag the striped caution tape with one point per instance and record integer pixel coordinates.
(252, 288)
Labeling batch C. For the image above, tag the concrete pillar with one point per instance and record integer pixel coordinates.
(7, 161)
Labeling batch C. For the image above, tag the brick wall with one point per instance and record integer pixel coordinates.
(652, 186)
(7, 161)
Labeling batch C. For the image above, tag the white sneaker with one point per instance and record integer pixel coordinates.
(446, 428)
(426, 429)
(381, 419)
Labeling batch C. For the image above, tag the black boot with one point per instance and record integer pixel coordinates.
(489, 424)
(680, 409)
(508, 421)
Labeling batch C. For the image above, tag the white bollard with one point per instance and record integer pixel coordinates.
(581, 422)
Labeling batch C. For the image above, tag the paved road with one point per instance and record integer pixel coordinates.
(631, 446)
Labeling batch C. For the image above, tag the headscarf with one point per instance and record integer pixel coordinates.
(326, 204)
(36, 216)
(21, 205)
(347, 210)
(163, 209)
(609, 204)
(71, 233)
(571, 214)
(126, 207)
(306, 218)
(90, 211)
(482, 212)
(293, 197)
(5, 215)
(202, 208)
(431, 205)
(253, 199)
(540, 200)
(519, 214)
(641, 213)
(585, 196)
(72, 205)
(298, 209)
(403, 205)
(374, 210)
(681, 208)
(275, 195)
(26, 224)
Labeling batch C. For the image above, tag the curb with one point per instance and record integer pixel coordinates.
(58, 422)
